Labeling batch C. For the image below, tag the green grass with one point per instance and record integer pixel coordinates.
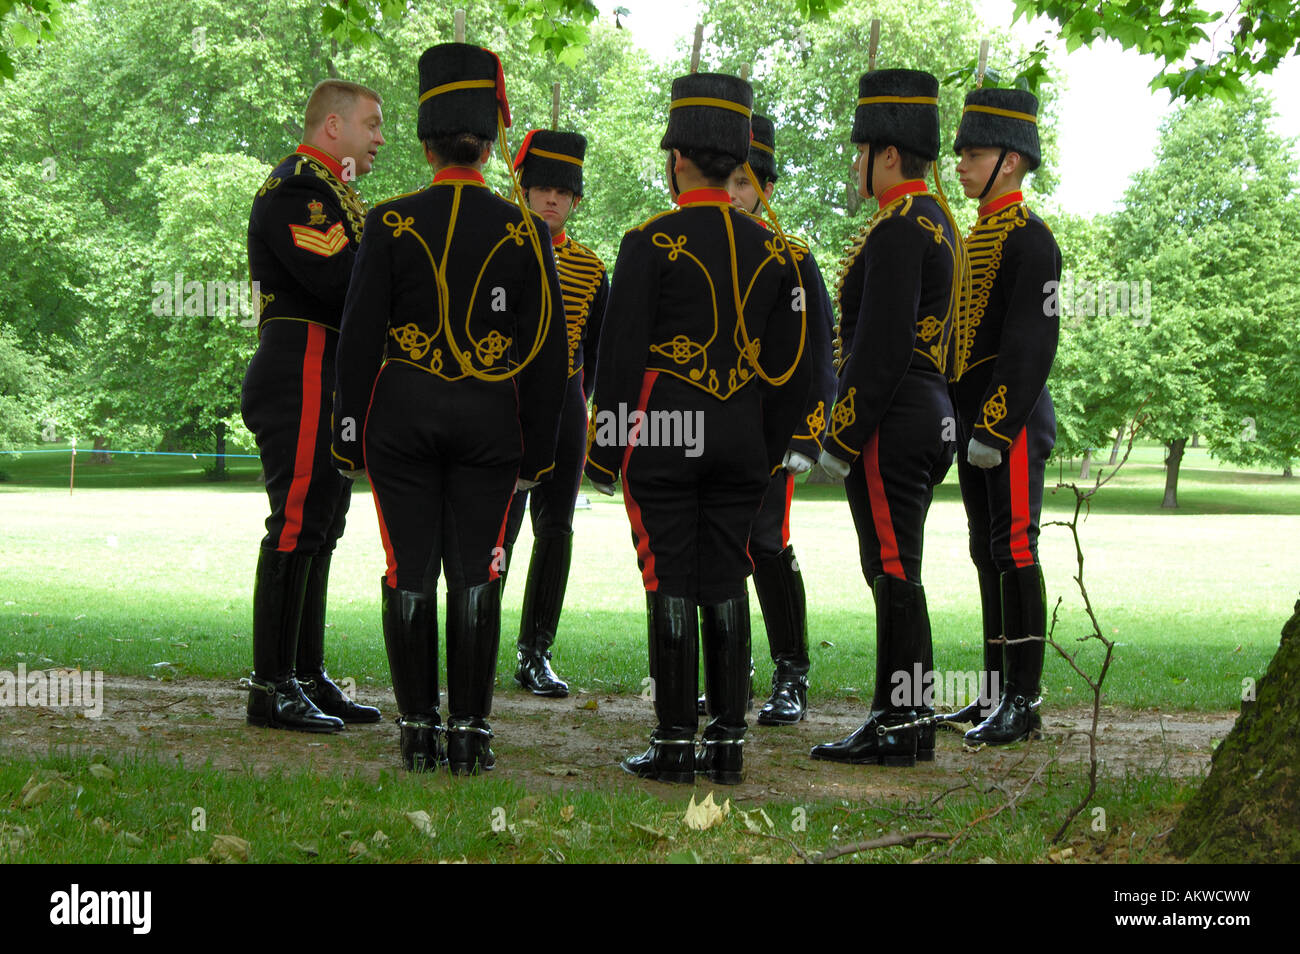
(156, 579)
(145, 809)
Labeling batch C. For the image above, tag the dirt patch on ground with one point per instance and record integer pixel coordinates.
(551, 744)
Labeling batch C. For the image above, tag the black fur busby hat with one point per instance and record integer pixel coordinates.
(552, 159)
(461, 89)
(762, 150)
(1002, 118)
(710, 111)
(899, 108)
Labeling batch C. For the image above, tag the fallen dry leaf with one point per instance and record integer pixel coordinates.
(566, 812)
(706, 814)
(100, 770)
(229, 848)
(422, 822)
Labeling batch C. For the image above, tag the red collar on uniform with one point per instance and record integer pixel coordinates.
(558, 240)
(459, 174)
(332, 164)
(696, 196)
(910, 187)
(1001, 202)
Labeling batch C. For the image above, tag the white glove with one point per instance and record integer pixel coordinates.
(352, 474)
(523, 486)
(797, 463)
(983, 456)
(834, 466)
(606, 489)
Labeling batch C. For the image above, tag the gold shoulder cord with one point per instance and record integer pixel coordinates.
(960, 275)
(492, 347)
(751, 347)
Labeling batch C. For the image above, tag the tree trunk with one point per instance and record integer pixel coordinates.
(1172, 463)
(1286, 471)
(1114, 450)
(1247, 811)
(1196, 439)
(219, 469)
(99, 453)
(1085, 472)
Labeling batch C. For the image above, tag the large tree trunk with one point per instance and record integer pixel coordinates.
(1248, 810)
(1172, 463)
(219, 469)
(1114, 450)
(1196, 439)
(1286, 471)
(1085, 472)
(99, 454)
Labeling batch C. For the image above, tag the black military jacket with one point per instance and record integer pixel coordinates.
(897, 296)
(586, 292)
(672, 308)
(1006, 335)
(448, 280)
(303, 234)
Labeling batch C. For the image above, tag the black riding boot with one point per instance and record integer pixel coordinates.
(724, 629)
(673, 625)
(779, 586)
(473, 635)
(548, 576)
(1024, 613)
(411, 639)
(316, 683)
(275, 699)
(990, 688)
(902, 628)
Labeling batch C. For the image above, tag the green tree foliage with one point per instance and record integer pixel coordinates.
(22, 392)
(1213, 225)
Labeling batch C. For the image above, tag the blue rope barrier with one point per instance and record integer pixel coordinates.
(109, 450)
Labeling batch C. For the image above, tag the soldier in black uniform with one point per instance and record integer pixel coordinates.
(1003, 350)
(550, 168)
(893, 411)
(777, 580)
(451, 376)
(711, 390)
(302, 240)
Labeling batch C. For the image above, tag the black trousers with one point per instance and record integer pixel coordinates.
(1004, 504)
(691, 507)
(286, 402)
(442, 458)
(551, 502)
(891, 486)
(770, 533)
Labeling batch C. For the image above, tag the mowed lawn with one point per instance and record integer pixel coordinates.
(147, 569)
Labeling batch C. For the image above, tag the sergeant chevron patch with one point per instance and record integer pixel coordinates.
(322, 243)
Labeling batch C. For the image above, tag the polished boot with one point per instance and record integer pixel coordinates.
(473, 635)
(990, 689)
(411, 639)
(275, 700)
(1024, 613)
(548, 576)
(316, 683)
(902, 631)
(779, 586)
(925, 733)
(724, 630)
(673, 629)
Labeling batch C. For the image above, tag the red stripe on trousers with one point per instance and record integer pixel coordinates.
(880, 509)
(643, 551)
(1018, 474)
(785, 521)
(307, 426)
(390, 556)
(499, 548)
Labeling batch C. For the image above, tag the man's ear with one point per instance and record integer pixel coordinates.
(677, 160)
(1013, 163)
(768, 190)
(486, 153)
(428, 154)
(576, 199)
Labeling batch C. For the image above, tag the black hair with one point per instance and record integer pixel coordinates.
(716, 167)
(458, 148)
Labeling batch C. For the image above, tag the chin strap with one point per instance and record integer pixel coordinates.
(871, 163)
(1002, 157)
